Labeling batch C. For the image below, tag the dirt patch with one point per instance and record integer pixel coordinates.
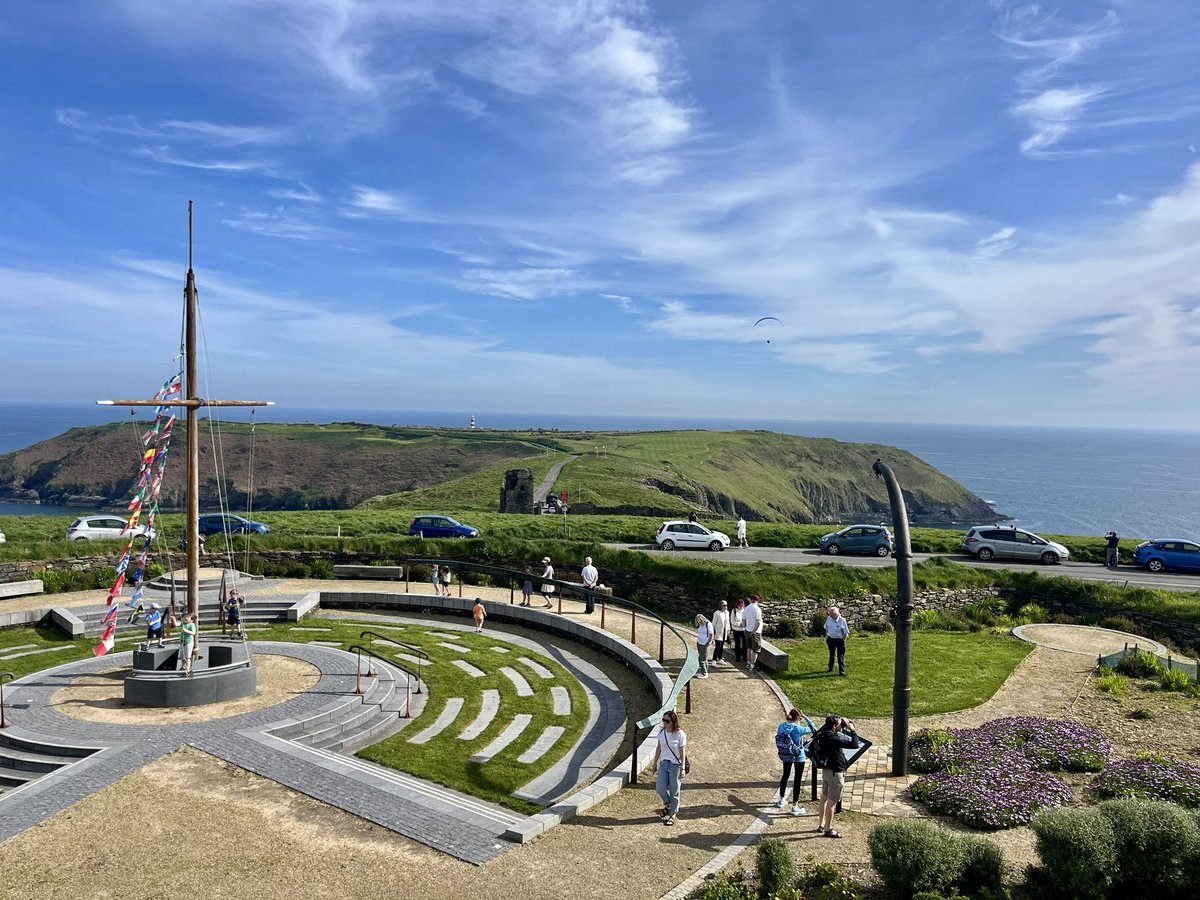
(100, 697)
(1084, 639)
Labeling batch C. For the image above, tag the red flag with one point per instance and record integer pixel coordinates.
(107, 641)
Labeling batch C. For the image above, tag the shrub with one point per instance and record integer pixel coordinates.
(1078, 854)
(1034, 613)
(1155, 843)
(1151, 778)
(914, 856)
(983, 866)
(986, 612)
(322, 568)
(1174, 680)
(731, 887)
(1140, 664)
(775, 866)
(789, 628)
(875, 626)
(825, 881)
(1112, 683)
(816, 625)
(927, 749)
(935, 619)
(1119, 623)
(1059, 618)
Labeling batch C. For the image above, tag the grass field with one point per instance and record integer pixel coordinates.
(950, 671)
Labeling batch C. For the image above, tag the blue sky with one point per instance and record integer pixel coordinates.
(959, 211)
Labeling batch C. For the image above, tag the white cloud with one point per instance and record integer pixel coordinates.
(1053, 114)
(524, 284)
(208, 134)
(164, 156)
(374, 201)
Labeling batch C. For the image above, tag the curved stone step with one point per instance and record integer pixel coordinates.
(491, 706)
(538, 669)
(562, 700)
(449, 713)
(542, 745)
(506, 737)
(518, 681)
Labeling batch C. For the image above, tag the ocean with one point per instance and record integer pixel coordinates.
(1056, 480)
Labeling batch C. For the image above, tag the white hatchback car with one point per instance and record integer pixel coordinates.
(102, 528)
(689, 535)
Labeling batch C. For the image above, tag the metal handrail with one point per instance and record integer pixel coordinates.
(9, 676)
(360, 650)
(691, 659)
(392, 640)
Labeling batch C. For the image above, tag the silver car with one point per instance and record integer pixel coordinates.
(1010, 542)
(689, 535)
(102, 528)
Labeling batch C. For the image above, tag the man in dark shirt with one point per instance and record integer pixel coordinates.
(1110, 556)
(836, 734)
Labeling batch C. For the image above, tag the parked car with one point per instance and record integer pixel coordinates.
(858, 539)
(1010, 542)
(216, 523)
(440, 527)
(685, 535)
(103, 528)
(1168, 553)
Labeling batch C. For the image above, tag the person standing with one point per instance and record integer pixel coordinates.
(436, 577)
(836, 734)
(704, 640)
(527, 587)
(591, 578)
(721, 631)
(479, 614)
(754, 630)
(233, 613)
(692, 517)
(837, 629)
(670, 765)
(737, 624)
(1112, 552)
(741, 532)
(187, 642)
(154, 629)
(447, 577)
(547, 587)
(789, 743)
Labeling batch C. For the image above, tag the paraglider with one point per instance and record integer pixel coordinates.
(767, 319)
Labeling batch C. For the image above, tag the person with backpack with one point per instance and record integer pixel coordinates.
(836, 734)
(789, 743)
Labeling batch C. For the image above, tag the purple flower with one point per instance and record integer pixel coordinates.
(1154, 778)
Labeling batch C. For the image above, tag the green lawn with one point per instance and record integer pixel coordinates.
(950, 671)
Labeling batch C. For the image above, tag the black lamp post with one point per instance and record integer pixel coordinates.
(901, 687)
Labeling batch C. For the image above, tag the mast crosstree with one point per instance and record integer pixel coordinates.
(192, 402)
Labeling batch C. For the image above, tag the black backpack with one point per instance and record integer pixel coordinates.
(817, 751)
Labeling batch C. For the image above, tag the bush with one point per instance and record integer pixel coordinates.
(914, 856)
(790, 628)
(1119, 623)
(1063, 619)
(1034, 613)
(775, 866)
(935, 619)
(875, 626)
(1151, 778)
(816, 625)
(1140, 664)
(1112, 683)
(1174, 680)
(1155, 844)
(983, 866)
(825, 881)
(986, 612)
(322, 568)
(731, 887)
(1078, 854)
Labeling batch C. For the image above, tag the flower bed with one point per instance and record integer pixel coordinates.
(1153, 778)
(998, 775)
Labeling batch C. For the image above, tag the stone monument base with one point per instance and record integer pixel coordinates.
(223, 671)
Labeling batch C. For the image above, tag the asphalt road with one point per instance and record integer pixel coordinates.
(786, 556)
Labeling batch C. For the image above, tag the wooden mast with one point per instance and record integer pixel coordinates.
(191, 401)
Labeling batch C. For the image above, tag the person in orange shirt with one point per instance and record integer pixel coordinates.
(480, 614)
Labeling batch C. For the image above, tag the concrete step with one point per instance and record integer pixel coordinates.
(9, 741)
(39, 763)
(357, 720)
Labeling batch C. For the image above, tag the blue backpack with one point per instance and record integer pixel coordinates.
(786, 746)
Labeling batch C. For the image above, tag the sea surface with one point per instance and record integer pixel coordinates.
(1056, 480)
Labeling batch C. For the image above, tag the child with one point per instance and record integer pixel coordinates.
(480, 614)
(436, 576)
(187, 638)
(154, 626)
(233, 613)
(527, 587)
(446, 576)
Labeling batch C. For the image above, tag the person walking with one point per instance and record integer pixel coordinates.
(154, 631)
(836, 734)
(479, 614)
(670, 765)
(547, 588)
(721, 631)
(1112, 551)
(789, 744)
(527, 587)
(436, 577)
(591, 578)
(741, 532)
(837, 629)
(187, 642)
(447, 578)
(754, 630)
(704, 640)
(737, 624)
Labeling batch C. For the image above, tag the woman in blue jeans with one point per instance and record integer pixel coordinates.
(670, 760)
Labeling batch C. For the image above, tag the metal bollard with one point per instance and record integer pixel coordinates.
(662, 630)
(633, 760)
(633, 629)
(687, 703)
(603, 607)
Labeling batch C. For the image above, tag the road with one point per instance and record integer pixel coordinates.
(1122, 576)
(547, 485)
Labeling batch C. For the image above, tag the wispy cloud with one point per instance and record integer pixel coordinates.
(281, 222)
(210, 134)
(524, 284)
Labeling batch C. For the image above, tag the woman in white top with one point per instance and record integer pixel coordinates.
(721, 631)
(704, 641)
(547, 589)
(670, 761)
(737, 624)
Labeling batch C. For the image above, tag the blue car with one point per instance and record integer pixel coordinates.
(216, 523)
(440, 527)
(858, 539)
(1168, 553)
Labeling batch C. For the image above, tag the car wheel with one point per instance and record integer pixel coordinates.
(667, 545)
(80, 538)
(1155, 565)
(1050, 558)
(833, 549)
(882, 550)
(715, 546)
(985, 553)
